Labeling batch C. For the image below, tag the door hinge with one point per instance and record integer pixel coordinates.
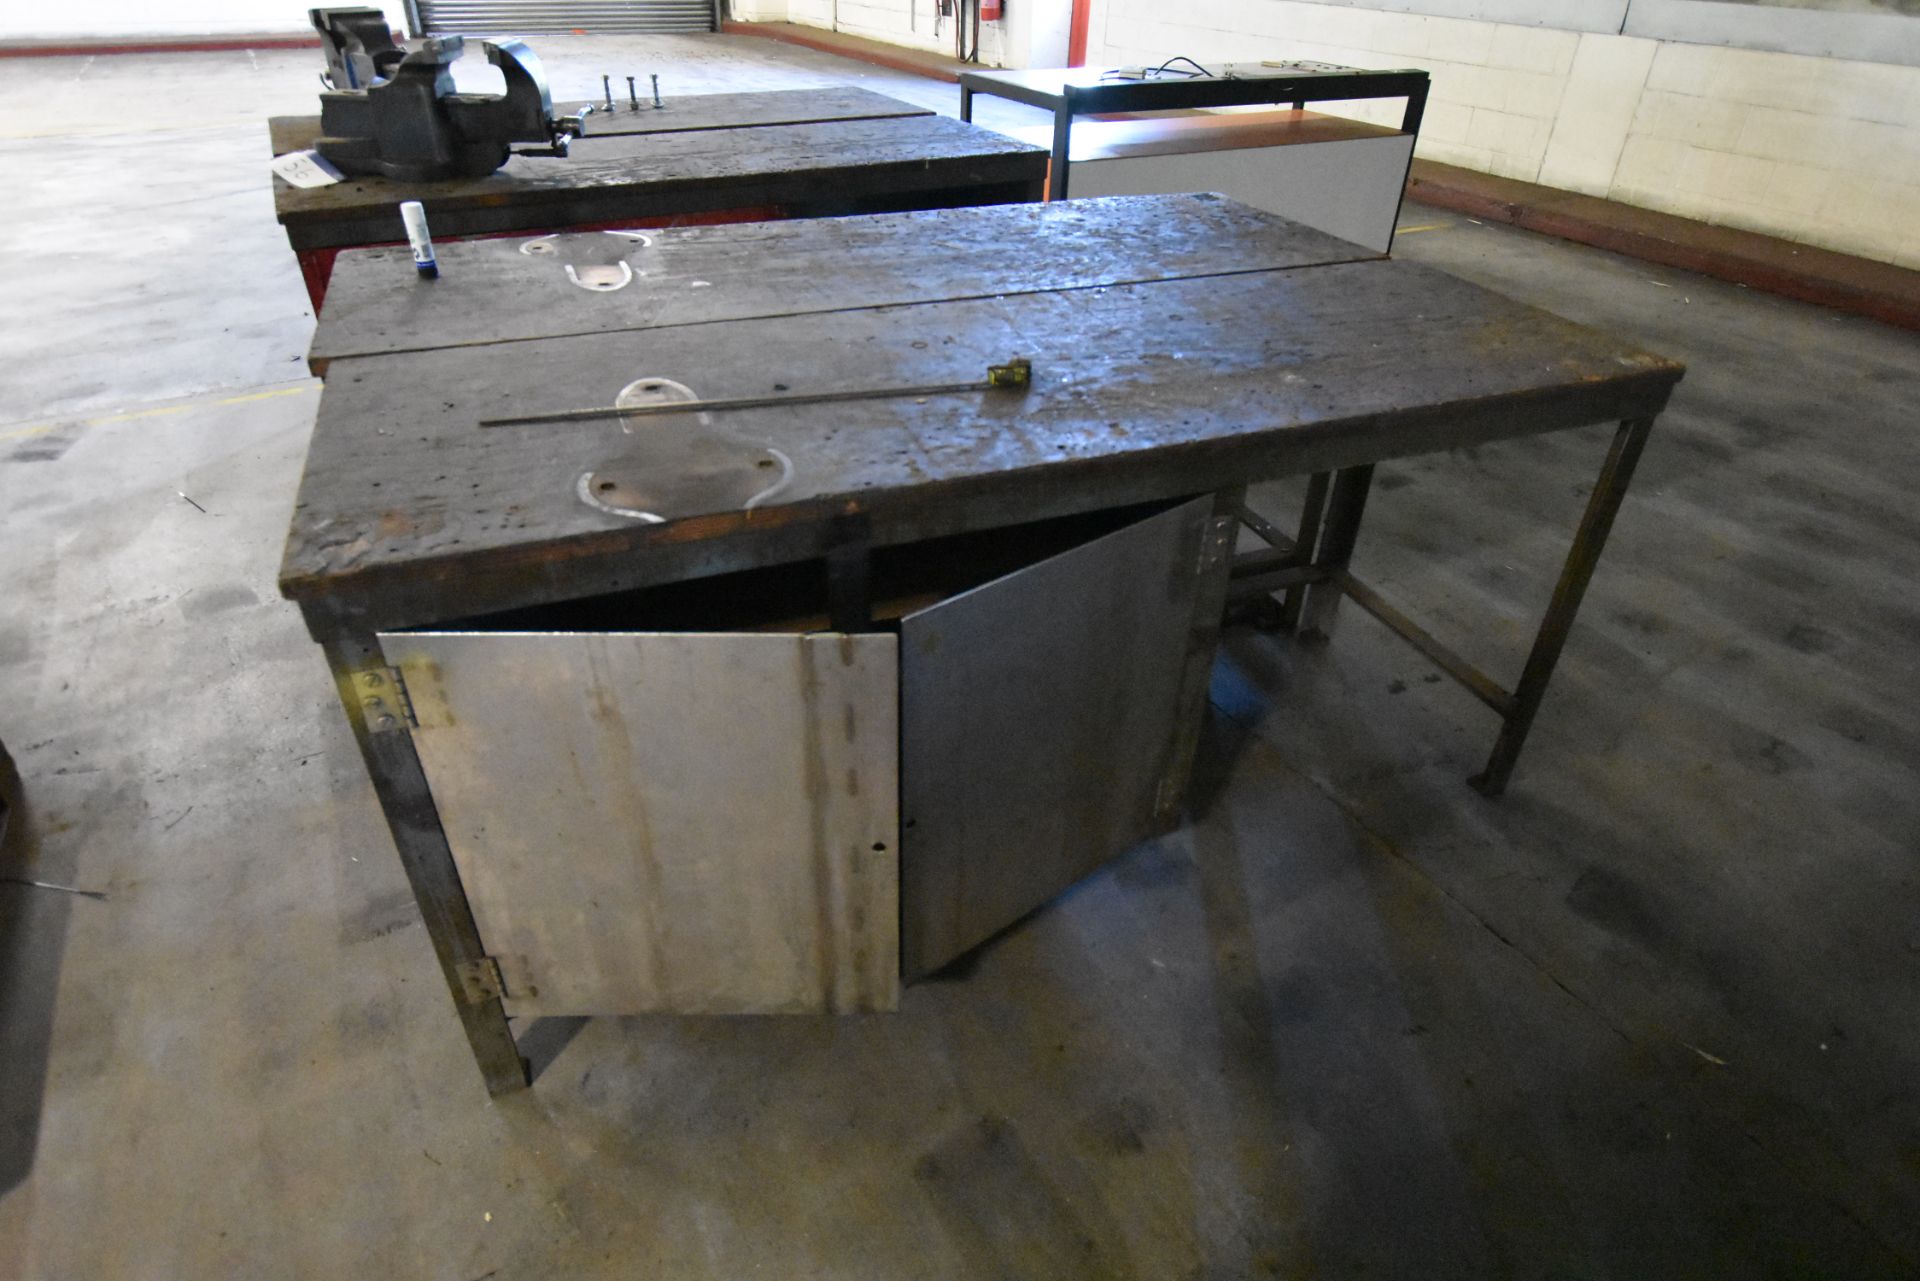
(480, 980)
(1166, 798)
(1216, 544)
(382, 692)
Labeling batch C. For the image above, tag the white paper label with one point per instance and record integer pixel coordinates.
(305, 169)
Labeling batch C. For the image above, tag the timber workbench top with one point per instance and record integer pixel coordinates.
(688, 114)
(835, 147)
(1179, 344)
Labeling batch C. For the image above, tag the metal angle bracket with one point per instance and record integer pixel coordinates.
(480, 980)
(1216, 544)
(382, 695)
(1217, 538)
(1166, 798)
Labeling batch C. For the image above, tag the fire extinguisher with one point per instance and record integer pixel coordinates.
(983, 11)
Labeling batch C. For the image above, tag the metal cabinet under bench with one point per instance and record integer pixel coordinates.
(726, 642)
(702, 799)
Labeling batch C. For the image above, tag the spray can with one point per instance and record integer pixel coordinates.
(414, 216)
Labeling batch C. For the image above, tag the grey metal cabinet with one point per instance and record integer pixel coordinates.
(770, 817)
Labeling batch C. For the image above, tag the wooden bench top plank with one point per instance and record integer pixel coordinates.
(686, 114)
(292, 133)
(492, 291)
(645, 176)
(696, 112)
(410, 512)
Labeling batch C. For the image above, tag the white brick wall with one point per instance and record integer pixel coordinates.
(890, 21)
(758, 10)
(1815, 149)
(1819, 150)
(1605, 78)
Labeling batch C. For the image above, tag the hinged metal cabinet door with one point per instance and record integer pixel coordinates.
(689, 823)
(1038, 721)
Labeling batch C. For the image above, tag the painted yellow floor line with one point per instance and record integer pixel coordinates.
(1431, 226)
(157, 411)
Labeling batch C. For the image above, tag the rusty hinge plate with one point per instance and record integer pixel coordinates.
(480, 980)
(1166, 798)
(382, 694)
(1216, 544)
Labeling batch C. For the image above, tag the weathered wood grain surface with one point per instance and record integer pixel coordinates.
(411, 512)
(499, 291)
(291, 133)
(687, 114)
(640, 176)
(732, 110)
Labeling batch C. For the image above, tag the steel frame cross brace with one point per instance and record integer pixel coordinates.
(1321, 572)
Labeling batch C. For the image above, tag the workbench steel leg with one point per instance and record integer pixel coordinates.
(1062, 156)
(400, 784)
(1410, 125)
(850, 575)
(1304, 546)
(316, 269)
(1337, 538)
(1588, 541)
(1213, 561)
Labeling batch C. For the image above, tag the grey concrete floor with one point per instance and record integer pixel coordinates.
(1651, 1015)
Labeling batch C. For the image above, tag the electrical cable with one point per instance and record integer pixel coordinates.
(1164, 69)
(1197, 71)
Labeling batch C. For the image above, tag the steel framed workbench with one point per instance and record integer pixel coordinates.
(703, 158)
(1182, 347)
(1071, 92)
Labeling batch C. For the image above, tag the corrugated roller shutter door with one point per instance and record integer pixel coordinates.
(531, 17)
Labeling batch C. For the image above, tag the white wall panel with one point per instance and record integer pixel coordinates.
(105, 18)
(1816, 149)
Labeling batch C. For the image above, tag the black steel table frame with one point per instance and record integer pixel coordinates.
(1312, 568)
(1195, 92)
